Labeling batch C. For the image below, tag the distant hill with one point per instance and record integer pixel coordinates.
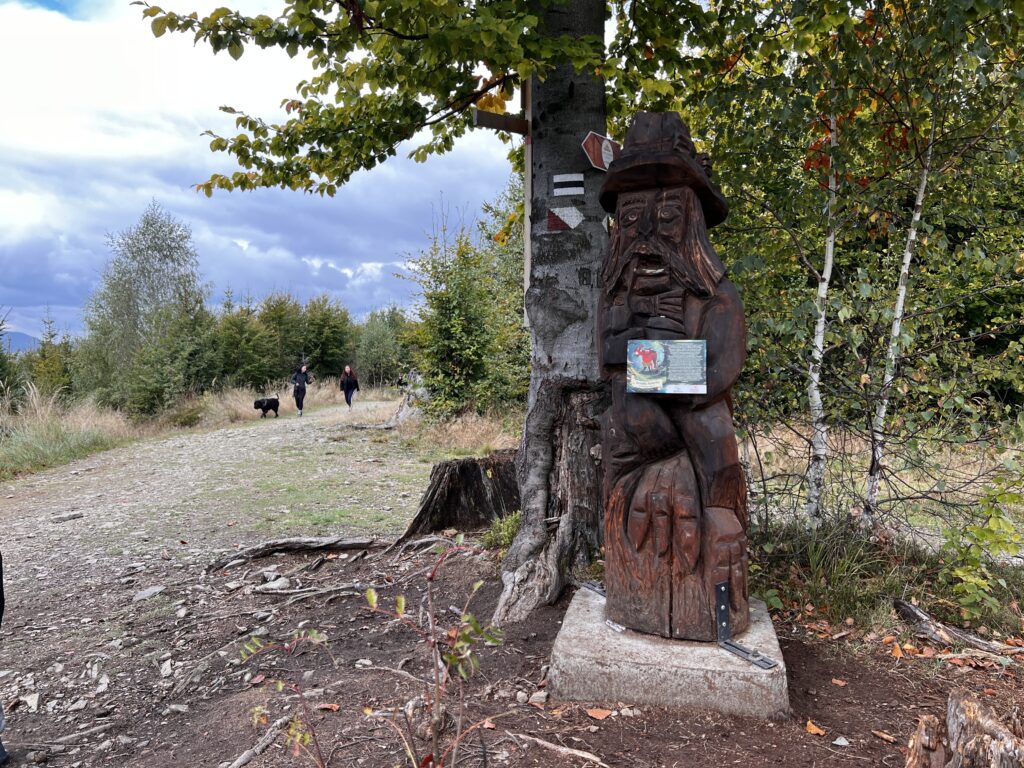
(15, 341)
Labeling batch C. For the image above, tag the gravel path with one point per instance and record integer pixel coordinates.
(82, 542)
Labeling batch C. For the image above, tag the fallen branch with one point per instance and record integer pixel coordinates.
(260, 746)
(564, 751)
(296, 544)
(943, 634)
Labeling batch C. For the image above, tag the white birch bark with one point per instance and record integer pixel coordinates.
(878, 422)
(819, 425)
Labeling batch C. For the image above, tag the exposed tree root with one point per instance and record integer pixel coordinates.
(297, 544)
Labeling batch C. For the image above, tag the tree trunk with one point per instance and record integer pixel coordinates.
(926, 749)
(467, 494)
(559, 481)
(878, 423)
(819, 439)
(977, 739)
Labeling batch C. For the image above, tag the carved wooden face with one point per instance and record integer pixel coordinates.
(652, 226)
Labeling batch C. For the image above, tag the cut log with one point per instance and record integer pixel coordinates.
(926, 749)
(467, 494)
(298, 544)
(934, 630)
(977, 738)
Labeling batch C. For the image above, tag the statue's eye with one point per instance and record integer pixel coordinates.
(668, 214)
(630, 217)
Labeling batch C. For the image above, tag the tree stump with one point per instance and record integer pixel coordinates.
(926, 749)
(466, 494)
(977, 738)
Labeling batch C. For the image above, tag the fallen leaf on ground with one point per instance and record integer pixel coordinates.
(258, 679)
(488, 725)
(840, 683)
(330, 707)
(814, 729)
(599, 714)
(897, 652)
(888, 639)
(990, 691)
(884, 736)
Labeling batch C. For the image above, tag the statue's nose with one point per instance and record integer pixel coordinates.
(646, 226)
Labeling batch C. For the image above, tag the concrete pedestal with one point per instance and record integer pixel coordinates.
(592, 662)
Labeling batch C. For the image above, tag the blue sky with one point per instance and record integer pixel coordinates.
(99, 118)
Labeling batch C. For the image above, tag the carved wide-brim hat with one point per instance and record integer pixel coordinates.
(659, 152)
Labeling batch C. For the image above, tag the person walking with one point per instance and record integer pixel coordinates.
(349, 384)
(300, 379)
(4, 757)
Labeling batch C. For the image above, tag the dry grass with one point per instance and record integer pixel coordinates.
(472, 435)
(39, 431)
(230, 406)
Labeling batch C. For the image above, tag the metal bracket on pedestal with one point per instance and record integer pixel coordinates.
(725, 631)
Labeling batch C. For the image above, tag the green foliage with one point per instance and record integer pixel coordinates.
(245, 347)
(178, 362)
(502, 531)
(7, 369)
(453, 337)
(843, 574)
(470, 344)
(970, 552)
(384, 356)
(50, 365)
(328, 336)
(149, 285)
(382, 71)
(280, 314)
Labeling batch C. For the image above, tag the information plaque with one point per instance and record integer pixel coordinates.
(667, 367)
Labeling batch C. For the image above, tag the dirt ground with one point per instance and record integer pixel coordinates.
(119, 649)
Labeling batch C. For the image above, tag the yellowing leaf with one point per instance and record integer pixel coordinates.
(599, 714)
(813, 729)
(329, 707)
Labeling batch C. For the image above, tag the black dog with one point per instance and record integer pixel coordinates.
(267, 404)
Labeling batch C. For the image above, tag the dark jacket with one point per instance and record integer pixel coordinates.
(349, 383)
(300, 379)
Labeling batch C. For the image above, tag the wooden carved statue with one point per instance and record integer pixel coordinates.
(674, 492)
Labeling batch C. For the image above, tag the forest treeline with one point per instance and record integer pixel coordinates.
(152, 338)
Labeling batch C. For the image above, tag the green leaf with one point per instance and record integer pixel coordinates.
(159, 25)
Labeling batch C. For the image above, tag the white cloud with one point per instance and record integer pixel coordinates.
(103, 87)
(103, 118)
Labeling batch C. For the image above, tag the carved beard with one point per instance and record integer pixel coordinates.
(691, 263)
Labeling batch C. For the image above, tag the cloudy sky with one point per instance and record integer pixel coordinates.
(98, 118)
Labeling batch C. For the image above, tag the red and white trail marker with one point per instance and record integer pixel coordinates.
(564, 219)
(600, 150)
